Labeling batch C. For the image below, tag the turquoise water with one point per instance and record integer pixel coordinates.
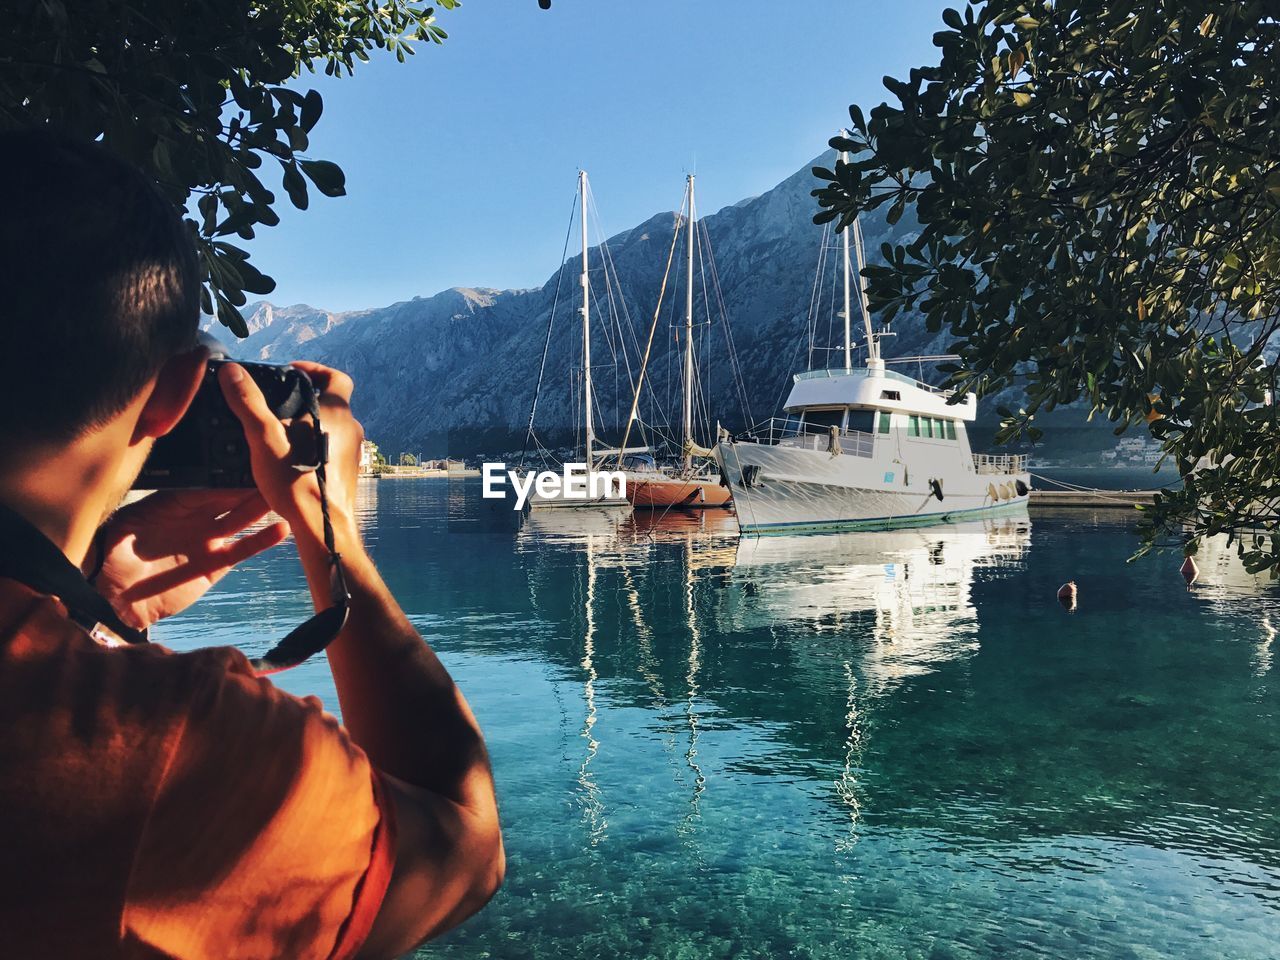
(853, 745)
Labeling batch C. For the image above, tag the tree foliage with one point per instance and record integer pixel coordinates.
(1097, 184)
(197, 95)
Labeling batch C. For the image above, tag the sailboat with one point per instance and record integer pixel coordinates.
(605, 495)
(692, 485)
(866, 447)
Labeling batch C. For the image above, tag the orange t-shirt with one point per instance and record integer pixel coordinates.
(157, 805)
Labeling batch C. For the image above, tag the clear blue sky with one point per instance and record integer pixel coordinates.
(461, 163)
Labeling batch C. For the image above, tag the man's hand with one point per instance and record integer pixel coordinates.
(291, 493)
(161, 553)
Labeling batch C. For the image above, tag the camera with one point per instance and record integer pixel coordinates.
(208, 449)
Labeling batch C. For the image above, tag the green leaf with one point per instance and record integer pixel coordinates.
(327, 176)
(312, 107)
(859, 122)
(295, 186)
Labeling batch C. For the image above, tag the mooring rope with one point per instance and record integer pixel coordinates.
(1098, 492)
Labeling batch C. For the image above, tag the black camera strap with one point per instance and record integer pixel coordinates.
(31, 558)
(315, 634)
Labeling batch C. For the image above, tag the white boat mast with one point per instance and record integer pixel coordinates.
(873, 346)
(688, 340)
(586, 319)
(848, 317)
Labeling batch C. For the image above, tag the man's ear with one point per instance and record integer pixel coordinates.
(175, 387)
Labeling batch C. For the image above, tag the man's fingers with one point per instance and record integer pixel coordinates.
(250, 407)
(327, 381)
(238, 551)
(249, 510)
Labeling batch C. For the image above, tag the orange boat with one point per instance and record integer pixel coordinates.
(659, 491)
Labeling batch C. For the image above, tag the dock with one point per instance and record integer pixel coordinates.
(1093, 499)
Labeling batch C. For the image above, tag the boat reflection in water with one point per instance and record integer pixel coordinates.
(714, 625)
(909, 588)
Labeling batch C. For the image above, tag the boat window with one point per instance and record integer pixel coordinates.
(818, 420)
(938, 433)
(926, 427)
(884, 421)
(890, 395)
(862, 420)
(951, 429)
(913, 426)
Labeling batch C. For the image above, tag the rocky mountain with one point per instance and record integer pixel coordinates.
(455, 373)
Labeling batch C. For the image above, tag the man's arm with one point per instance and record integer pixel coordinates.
(398, 701)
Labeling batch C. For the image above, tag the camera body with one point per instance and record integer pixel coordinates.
(208, 449)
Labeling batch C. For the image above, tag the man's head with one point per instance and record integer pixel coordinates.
(99, 286)
(99, 308)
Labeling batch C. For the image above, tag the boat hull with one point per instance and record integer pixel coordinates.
(661, 493)
(780, 489)
(535, 501)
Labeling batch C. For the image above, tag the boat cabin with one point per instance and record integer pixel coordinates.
(870, 403)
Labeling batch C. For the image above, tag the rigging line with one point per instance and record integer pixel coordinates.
(621, 309)
(610, 310)
(657, 311)
(831, 317)
(735, 364)
(730, 350)
(618, 313)
(610, 267)
(815, 294)
(550, 322)
(815, 309)
(595, 393)
(704, 356)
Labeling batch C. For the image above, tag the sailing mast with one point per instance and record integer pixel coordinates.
(873, 344)
(586, 320)
(873, 347)
(844, 257)
(688, 342)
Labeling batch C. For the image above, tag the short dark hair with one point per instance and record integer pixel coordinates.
(99, 285)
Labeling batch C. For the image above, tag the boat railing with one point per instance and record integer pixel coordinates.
(863, 372)
(1000, 462)
(790, 432)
